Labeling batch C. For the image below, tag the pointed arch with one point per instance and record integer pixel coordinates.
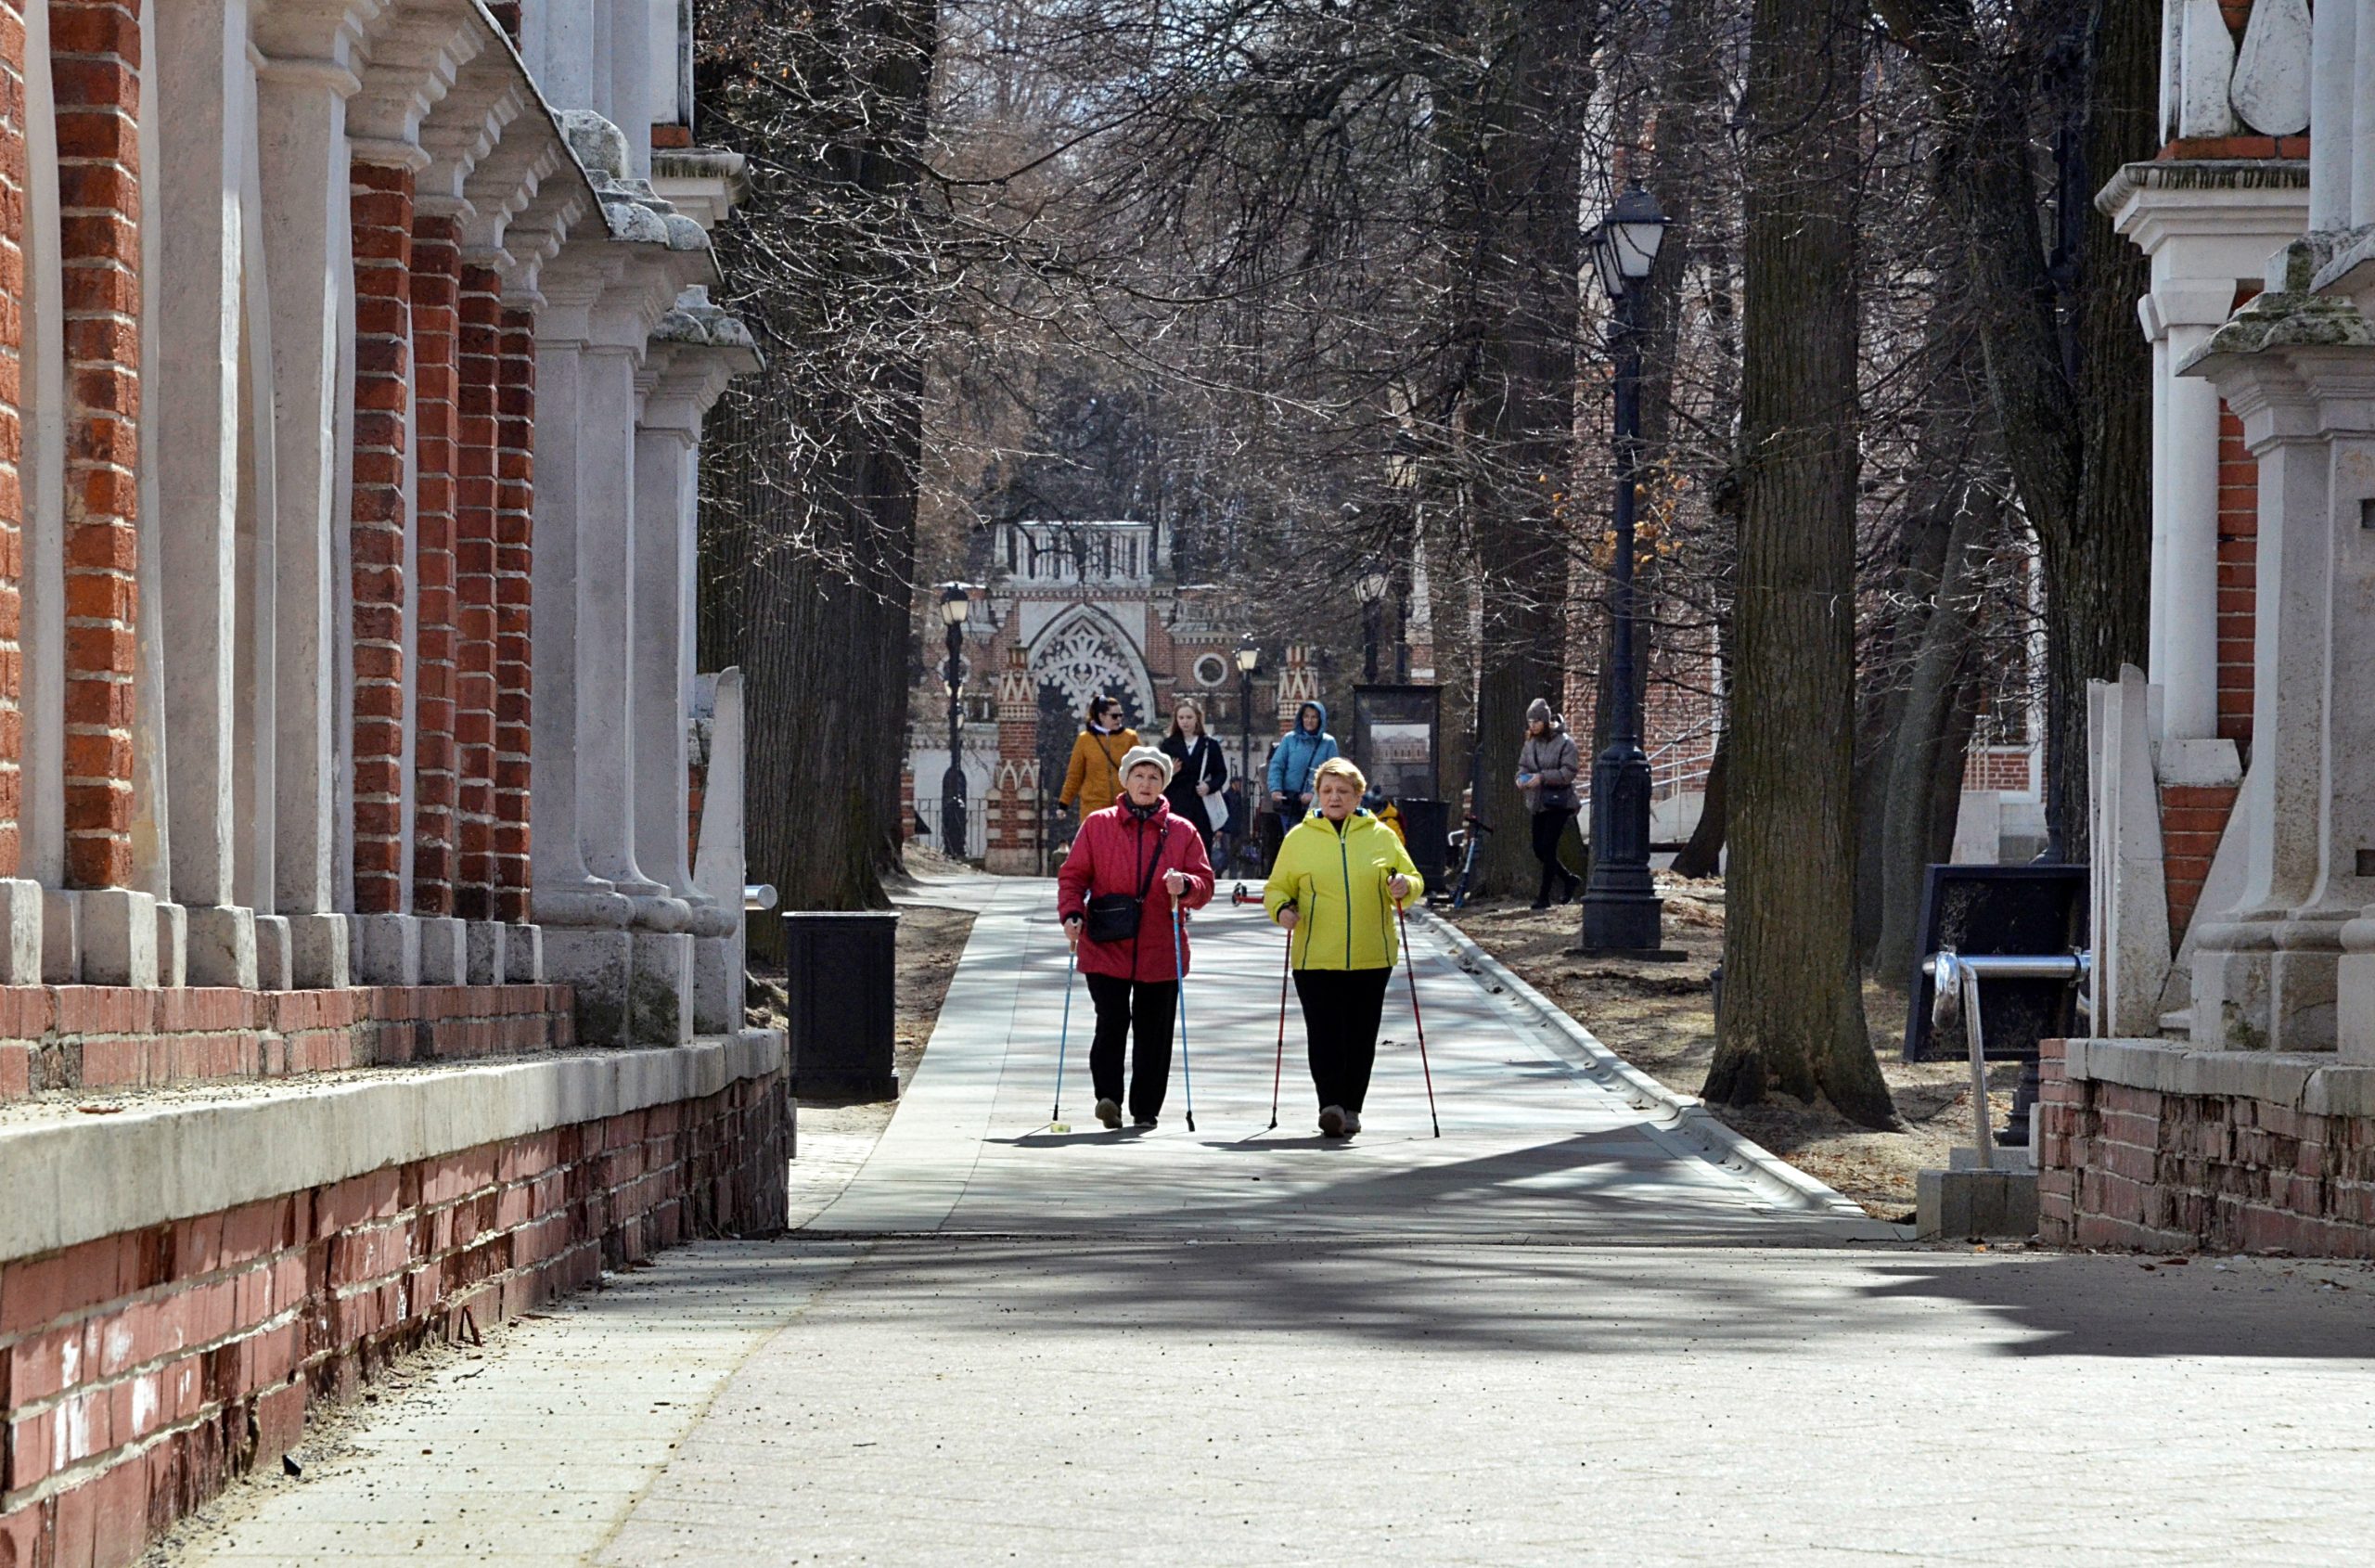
(1084, 651)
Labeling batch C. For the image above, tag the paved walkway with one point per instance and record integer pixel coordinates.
(1570, 1331)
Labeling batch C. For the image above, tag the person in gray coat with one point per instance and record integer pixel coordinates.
(1547, 767)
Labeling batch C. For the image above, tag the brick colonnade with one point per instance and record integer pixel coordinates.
(436, 290)
(383, 229)
(151, 1367)
(94, 66)
(515, 500)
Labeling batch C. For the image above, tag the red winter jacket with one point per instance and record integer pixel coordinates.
(1112, 855)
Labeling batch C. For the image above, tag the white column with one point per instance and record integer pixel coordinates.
(193, 411)
(667, 502)
(2334, 70)
(608, 728)
(42, 639)
(630, 67)
(2263, 979)
(2185, 446)
(564, 891)
(301, 88)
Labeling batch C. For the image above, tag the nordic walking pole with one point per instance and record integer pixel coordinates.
(1179, 978)
(1411, 970)
(1056, 1122)
(1279, 1068)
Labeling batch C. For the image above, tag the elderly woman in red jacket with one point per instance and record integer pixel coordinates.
(1133, 869)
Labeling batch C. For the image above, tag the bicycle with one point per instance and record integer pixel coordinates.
(1468, 842)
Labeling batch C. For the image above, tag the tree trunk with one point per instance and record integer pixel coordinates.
(2076, 416)
(1703, 855)
(1925, 728)
(2099, 601)
(1793, 1015)
(1520, 206)
(809, 489)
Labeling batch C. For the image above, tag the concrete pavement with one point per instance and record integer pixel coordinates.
(1562, 1333)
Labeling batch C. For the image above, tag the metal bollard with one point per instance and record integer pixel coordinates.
(1957, 980)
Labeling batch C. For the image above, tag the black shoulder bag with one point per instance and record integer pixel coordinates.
(1113, 916)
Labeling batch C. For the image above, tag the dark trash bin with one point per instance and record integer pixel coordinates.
(1426, 826)
(841, 979)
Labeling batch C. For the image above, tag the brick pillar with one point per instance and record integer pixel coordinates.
(474, 690)
(1013, 846)
(12, 513)
(383, 209)
(515, 497)
(436, 300)
(2238, 544)
(96, 61)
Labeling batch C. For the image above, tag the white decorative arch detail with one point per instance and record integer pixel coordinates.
(1082, 651)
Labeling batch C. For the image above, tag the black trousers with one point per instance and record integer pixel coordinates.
(1549, 826)
(1341, 1011)
(1143, 1007)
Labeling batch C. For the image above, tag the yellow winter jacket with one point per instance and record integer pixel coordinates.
(1093, 779)
(1336, 878)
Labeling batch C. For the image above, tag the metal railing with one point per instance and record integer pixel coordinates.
(977, 827)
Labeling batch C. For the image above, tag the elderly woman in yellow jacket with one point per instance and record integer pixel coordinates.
(1093, 779)
(1340, 877)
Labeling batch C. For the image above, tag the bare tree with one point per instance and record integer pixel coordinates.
(1794, 1017)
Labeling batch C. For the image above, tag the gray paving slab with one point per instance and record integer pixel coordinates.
(1564, 1334)
(1535, 1143)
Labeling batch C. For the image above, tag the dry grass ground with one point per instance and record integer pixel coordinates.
(1661, 1017)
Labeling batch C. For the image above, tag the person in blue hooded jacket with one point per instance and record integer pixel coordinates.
(1295, 765)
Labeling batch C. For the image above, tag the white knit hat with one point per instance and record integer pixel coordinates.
(1136, 755)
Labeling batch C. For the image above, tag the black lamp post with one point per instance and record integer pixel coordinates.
(1249, 658)
(955, 603)
(1622, 911)
(1371, 590)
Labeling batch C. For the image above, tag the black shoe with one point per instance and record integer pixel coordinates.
(1542, 903)
(1574, 887)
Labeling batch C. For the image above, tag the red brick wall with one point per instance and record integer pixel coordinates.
(383, 230)
(95, 64)
(2130, 1168)
(2239, 531)
(478, 365)
(145, 1371)
(2193, 819)
(88, 1037)
(12, 293)
(515, 528)
(506, 16)
(436, 304)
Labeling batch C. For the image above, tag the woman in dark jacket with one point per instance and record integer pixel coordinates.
(1133, 848)
(1198, 769)
(1548, 766)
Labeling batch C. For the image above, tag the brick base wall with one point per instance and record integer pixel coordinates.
(112, 1037)
(140, 1372)
(2126, 1166)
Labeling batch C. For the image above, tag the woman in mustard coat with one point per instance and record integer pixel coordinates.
(1093, 781)
(1340, 878)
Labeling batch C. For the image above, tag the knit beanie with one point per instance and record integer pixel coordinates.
(1137, 754)
(1538, 711)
